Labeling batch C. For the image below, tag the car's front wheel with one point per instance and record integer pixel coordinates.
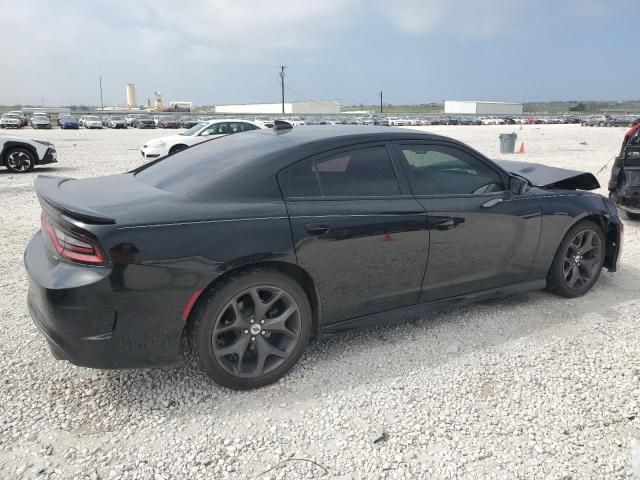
(251, 330)
(19, 160)
(177, 148)
(578, 261)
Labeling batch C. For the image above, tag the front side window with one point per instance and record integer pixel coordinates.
(362, 172)
(440, 170)
(221, 128)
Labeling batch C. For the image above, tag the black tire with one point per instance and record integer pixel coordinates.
(557, 282)
(601, 124)
(631, 216)
(177, 148)
(210, 313)
(19, 160)
(584, 124)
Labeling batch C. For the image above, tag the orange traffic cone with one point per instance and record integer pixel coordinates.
(521, 148)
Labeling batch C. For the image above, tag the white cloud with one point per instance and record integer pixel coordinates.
(66, 45)
(464, 18)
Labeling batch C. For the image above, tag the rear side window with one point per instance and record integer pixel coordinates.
(362, 172)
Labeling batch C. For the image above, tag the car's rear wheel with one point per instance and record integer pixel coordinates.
(251, 329)
(19, 160)
(578, 261)
(177, 148)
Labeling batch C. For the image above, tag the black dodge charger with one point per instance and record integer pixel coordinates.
(251, 244)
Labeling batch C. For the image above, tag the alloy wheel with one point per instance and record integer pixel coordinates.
(256, 331)
(19, 161)
(582, 259)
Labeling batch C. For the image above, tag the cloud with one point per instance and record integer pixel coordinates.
(464, 18)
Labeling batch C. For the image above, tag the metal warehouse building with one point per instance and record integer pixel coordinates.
(295, 108)
(484, 108)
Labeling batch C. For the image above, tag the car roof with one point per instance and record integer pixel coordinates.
(345, 134)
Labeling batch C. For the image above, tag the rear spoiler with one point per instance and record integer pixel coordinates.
(48, 191)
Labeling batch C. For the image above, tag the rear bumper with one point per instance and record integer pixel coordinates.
(91, 316)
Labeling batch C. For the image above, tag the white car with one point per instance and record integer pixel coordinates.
(21, 155)
(491, 121)
(91, 121)
(295, 121)
(160, 147)
(10, 120)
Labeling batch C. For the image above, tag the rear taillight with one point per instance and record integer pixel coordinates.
(71, 246)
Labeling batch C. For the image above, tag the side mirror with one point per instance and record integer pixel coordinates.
(516, 185)
(206, 133)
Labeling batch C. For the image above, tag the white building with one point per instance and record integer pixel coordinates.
(482, 108)
(292, 108)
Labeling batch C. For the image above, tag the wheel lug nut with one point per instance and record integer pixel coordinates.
(263, 332)
(253, 339)
(251, 320)
(246, 331)
(261, 321)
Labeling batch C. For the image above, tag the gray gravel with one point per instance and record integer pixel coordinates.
(522, 387)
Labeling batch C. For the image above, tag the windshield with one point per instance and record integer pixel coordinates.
(117, 118)
(193, 130)
(91, 117)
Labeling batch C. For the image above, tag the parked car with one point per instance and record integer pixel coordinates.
(160, 147)
(117, 122)
(21, 116)
(40, 120)
(491, 121)
(10, 120)
(168, 122)
(596, 120)
(67, 121)
(624, 183)
(130, 119)
(91, 121)
(265, 122)
(252, 244)
(295, 121)
(21, 155)
(144, 121)
(187, 122)
(622, 121)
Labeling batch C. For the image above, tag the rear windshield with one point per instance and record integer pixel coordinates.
(193, 172)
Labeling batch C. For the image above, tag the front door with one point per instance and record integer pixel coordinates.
(481, 235)
(357, 230)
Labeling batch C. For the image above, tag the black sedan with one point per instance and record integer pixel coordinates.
(249, 245)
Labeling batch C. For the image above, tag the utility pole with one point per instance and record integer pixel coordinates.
(101, 101)
(282, 67)
(380, 101)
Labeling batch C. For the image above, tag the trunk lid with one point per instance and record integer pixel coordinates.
(115, 199)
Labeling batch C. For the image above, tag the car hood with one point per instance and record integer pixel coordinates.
(551, 177)
(40, 120)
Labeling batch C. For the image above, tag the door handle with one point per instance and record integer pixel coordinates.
(446, 224)
(316, 228)
(491, 203)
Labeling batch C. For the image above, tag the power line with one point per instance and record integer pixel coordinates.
(307, 98)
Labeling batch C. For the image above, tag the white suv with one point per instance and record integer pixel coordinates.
(21, 155)
(160, 147)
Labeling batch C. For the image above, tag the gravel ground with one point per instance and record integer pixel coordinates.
(530, 386)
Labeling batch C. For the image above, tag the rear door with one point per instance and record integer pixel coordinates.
(357, 229)
(481, 237)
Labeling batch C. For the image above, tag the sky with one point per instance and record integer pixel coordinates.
(230, 51)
